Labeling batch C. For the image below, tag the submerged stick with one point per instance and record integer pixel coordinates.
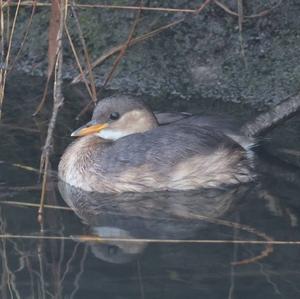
(266, 121)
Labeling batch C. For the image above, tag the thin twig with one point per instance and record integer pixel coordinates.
(240, 22)
(85, 238)
(257, 15)
(117, 60)
(146, 8)
(150, 34)
(82, 74)
(58, 100)
(130, 42)
(33, 205)
(123, 50)
(80, 272)
(117, 7)
(41, 267)
(53, 32)
(68, 265)
(138, 39)
(86, 54)
(134, 41)
(4, 69)
(27, 29)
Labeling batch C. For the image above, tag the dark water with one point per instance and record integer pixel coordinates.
(60, 263)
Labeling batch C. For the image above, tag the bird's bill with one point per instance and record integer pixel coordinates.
(89, 129)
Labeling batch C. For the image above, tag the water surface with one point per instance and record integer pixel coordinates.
(60, 263)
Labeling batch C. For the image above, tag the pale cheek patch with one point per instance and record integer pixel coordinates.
(111, 134)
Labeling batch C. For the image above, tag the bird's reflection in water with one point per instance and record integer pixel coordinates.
(155, 215)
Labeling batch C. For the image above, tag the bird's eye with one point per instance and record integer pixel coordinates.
(114, 116)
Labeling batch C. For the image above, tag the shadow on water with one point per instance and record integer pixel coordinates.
(152, 245)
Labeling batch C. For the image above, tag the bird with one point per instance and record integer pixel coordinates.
(126, 147)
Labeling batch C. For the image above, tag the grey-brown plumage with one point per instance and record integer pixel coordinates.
(133, 153)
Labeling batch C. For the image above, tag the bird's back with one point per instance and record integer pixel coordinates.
(177, 156)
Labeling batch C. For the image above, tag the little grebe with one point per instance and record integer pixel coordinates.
(124, 149)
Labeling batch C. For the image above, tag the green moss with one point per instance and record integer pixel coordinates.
(200, 57)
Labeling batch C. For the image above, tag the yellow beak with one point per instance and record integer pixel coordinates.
(89, 129)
